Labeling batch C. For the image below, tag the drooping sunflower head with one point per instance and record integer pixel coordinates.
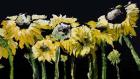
(45, 50)
(125, 27)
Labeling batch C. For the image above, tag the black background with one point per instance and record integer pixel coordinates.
(84, 10)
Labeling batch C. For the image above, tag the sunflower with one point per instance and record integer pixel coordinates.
(126, 27)
(80, 43)
(62, 26)
(45, 50)
(61, 32)
(24, 28)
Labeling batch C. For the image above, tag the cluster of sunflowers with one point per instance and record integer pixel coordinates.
(47, 38)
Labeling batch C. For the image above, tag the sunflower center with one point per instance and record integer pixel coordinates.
(116, 15)
(23, 21)
(65, 29)
(44, 48)
(61, 32)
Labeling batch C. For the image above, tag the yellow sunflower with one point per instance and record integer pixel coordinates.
(124, 28)
(80, 43)
(45, 50)
(22, 29)
(62, 26)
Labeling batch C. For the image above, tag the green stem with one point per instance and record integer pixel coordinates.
(11, 61)
(104, 67)
(90, 69)
(57, 64)
(65, 77)
(93, 70)
(72, 68)
(35, 69)
(118, 75)
(33, 63)
(133, 52)
(43, 67)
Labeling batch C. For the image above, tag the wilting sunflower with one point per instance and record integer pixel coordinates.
(125, 27)
(45, 50)
(80, 43)
(25, 29)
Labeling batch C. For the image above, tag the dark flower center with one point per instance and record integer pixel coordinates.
(117, 15)
(44, 48)
(23, 26)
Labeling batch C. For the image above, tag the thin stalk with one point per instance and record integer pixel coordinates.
(57, 64)
(35, 69)
(90, 68)
(65, 77)
(11, 61)
(93, 70)
(104, 67)
(118, 72)
(133, 52)
(43, 67)
(72, 68)
(33, 64)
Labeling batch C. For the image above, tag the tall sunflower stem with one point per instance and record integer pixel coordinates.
(11, 61)
(90, 69)
(43, 69)
(93, 70)
(72, 68)
(65, 77)
(133, 52)
(57, 64)
(35, 69)
(33, 64)
(104, 67)
(118, 72)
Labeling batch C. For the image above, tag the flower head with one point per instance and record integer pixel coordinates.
(81, 41)
(61, 32)
(114, 57)
(24, 29)
(124, 28)
(45, 50)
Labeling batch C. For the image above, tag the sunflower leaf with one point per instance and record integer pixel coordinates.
(133, 52)
(3, 42)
